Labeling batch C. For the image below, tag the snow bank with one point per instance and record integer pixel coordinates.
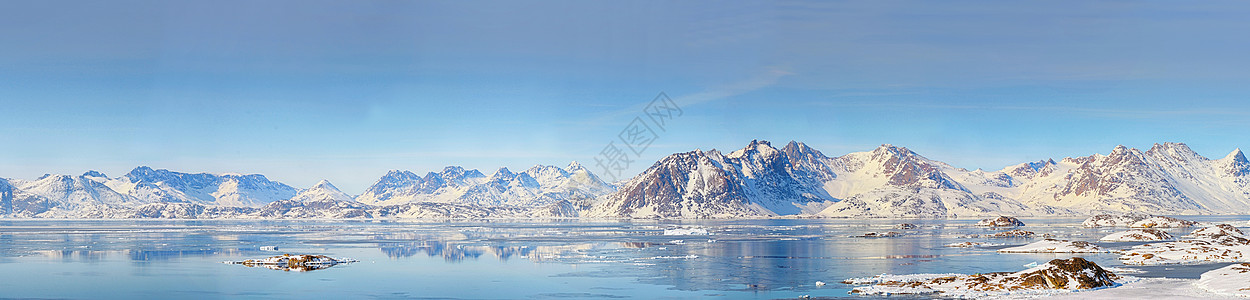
(1231, 280)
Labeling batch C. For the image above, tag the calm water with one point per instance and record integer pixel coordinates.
(502, 260)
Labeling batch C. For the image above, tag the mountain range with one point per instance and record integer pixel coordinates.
(756, 181)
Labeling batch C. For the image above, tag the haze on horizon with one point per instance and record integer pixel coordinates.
(345, 90)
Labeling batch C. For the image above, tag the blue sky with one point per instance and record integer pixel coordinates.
(346, 90)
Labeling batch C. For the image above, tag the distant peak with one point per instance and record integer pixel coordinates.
(456, 169)
(93, 173)
(394, 175)
(1120, 150)
(1236, 155)
(503, 172)
(888, 148)
(324, 184)
(1172, 148)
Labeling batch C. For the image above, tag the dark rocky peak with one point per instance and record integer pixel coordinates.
(800, 151)
(93, 173)
(1171, 148)
(757, 148)
(1122, 155)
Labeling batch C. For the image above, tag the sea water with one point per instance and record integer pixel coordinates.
(502, 259)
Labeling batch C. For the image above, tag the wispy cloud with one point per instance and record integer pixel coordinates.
(762, 80)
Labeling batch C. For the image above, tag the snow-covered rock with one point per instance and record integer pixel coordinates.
(1060, 274)
(1002, 221)
(1107, 220)
(1055, 246)
(970, 245)
(1232, 280)
(1163, 222)
(1015, 233)
(906, 226)
(299, 262)
(1220, 243)
(878, 235)
(1137, 235)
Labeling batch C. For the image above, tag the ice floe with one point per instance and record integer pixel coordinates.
(686, 231)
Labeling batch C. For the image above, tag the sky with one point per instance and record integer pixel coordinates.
(346, 90)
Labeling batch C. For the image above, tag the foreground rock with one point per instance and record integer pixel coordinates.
(1137, 235)
(1232, 280)
(1220, 243)
(1003, 221)
(1060, 274)
(1055, 246)
(299, 262)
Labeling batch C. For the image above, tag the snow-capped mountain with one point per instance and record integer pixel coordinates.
(537, 186)
(893, 181)
(322, 191)
(896, 182)
(159, 185)
(63, 194)
(755, 181)
(758, 180)
(1169, 178)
